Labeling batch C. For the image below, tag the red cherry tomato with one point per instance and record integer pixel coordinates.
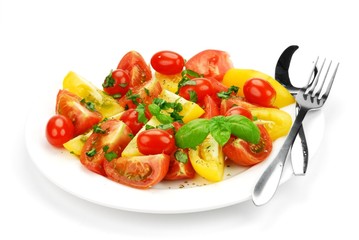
(259, 91)
(59, 130)
(130, 118)
(238, 110)
(167, 62)
(117, 83)
(197, 90)
(155, 141)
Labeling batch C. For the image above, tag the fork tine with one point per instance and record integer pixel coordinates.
(324, 79)
(312, 86)
(325, 95)
(313, 72)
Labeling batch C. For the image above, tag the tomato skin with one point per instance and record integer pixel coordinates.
(227, 104)
(238, 110)
(155, 141)
(69, 105)
(130, 118)
(167, 62)
(116, 137)
(178, 170)
(136, 67)
(247, 154)
(59, 130)
(210, 63)
(202, 87)
(260, 92)
(140, 172)
(117, 83)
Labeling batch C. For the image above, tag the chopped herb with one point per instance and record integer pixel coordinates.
(117, 95)
(91, 153)
(98, 129)
(109, 81)
(186, 80)
(147, 92)
(105, 148)
(141, 109)
(193, 96)
(110, 156)
(133, 97)
(181, 156)
(89, 105)
(226, 95)
(147, 127)
(123, 85)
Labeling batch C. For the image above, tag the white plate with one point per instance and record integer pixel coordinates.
(66, 171)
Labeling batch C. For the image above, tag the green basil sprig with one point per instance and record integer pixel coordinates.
(221, 128)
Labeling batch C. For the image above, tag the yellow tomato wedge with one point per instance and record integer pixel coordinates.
(208, 160)
(132, 149)
(276, 121)
(104, 103)
(169, 82)
(190, 109)
(237, 77)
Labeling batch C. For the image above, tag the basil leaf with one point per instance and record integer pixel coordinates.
(220, 129)
(141, 113)
(244, 128)
(164, 119)
(181, 156)
(192, 133)
(154, 109)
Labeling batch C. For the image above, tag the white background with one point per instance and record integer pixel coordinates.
(42, 40)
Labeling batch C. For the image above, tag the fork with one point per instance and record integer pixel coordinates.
(308, 98)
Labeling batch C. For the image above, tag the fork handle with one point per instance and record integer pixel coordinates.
(269, 180)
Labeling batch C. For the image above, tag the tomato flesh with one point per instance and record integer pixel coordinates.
(155, 141)
(138, 171)
(137, 68)
(59, 130)
(107, 142)
(178, 169)
(248, 154)
(70, 105)
(167, 62)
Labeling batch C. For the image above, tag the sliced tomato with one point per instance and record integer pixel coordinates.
(71, 106)
(248, 154)
(210, 107)
(138, 171)
(144, 93)
(227, 104)
(130, 118)
(210, 63)
(180, 166)
(137, 68)
(238, 110)
(106, 142)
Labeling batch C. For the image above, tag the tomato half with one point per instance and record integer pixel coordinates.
(260, 92)
(196, 90)
(238, 110)
(59, 130)
(71, 106)
(210, 107)
(138, 171)
(137, 68)
(178, 169)
(117, 83)
(155, 141)
(167, 62)
(105, 143)
(144, 93)
(210, 63)
(248, 154)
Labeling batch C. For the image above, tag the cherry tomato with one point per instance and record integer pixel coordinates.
(136, 67)
(59, 130)
(138, 171)
(83, 117)
(238, 110)
(197, 90)
(130, 118)
(155, 141)
(259, 91)
(248, 154)
(167, 62)
(210, 63)
(116, 83)
(105, 143)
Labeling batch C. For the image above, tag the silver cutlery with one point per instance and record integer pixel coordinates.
(309, 98)
(282, 76)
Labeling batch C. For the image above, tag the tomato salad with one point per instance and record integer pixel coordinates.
(171, 119)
